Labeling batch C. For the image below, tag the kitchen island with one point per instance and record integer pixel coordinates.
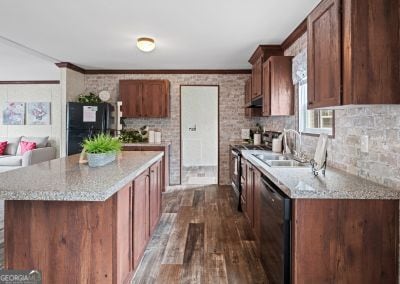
(78, 224)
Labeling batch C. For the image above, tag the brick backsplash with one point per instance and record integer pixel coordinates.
(231, 111)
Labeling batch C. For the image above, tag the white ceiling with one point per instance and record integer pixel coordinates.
(190, 34)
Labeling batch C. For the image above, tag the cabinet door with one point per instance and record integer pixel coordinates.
(247, 97)
(140, 216)
(324, 55)
(281, 85)
(154, 195)
(257, 203)
(256, 78)
(155, 98)
(249, 193)
(131, 96)
(124, 232)
(266, 110)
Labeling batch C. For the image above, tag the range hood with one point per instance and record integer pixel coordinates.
(257, 103)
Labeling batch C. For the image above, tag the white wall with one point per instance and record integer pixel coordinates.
(33, 93)
(200, 108)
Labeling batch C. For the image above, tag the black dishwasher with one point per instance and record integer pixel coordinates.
(275, 232)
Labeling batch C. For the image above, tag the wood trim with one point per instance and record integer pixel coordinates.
(37, 82)
(260, 50)
(295, 35)
(167, 71)
(71, 66)
(180, 128)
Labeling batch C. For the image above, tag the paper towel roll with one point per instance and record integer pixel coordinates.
(157, 137)
(257, 139)
(151, 136)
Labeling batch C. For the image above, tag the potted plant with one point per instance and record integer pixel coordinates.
(101, 149)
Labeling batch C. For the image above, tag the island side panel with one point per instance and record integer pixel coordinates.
(69, 242)
(345, 241)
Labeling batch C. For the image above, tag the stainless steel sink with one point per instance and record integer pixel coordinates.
(279, 161)
(286, 164)
(269, 157)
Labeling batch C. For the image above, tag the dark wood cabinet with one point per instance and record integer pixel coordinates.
(250, 112)
(278, 90)
(141, 222)
(324, 55)
(257, 187)
(155, 195)
(353, 53)
(250, 193)
(332, 240)
(164, 161)
(144, 98)
(345, 241)
(260, 55)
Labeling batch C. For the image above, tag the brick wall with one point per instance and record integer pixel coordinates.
(380, 122)
(231, 111)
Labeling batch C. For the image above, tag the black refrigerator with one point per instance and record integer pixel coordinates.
(84, 121)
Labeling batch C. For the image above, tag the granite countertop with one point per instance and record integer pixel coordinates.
(163, 143)
(300, 183)
(66, 179)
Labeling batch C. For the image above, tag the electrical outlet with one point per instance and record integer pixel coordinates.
(364, 144)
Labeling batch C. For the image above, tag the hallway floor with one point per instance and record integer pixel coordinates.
(201, 238)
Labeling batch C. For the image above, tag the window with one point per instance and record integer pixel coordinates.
(313, 121)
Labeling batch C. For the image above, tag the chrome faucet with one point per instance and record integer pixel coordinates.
(297, 153)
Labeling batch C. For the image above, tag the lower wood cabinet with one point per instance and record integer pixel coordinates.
(146, 209)
(332, 240)
(164, 162)
(141, 222)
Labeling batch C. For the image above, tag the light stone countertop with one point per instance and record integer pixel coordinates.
(65, 179)
(300, 183)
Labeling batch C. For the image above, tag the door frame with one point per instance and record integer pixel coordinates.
(180, 127)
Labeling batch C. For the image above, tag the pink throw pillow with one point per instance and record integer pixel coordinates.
(27, 146)
(3, 146)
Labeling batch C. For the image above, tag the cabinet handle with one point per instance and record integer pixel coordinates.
(310, 103)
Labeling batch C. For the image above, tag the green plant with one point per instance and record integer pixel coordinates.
(102, 143)
(90, 98)
(133, 135)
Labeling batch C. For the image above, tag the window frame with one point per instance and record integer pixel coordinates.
(302, 114)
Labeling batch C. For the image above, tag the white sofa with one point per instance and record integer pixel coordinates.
(13, 158)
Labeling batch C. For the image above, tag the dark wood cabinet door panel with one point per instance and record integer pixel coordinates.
(140, 216)
(155, 98)
(144, 98)
(371, 43)
(256, 82)
(131, 96)
(345, 241)
(281, 86)
(266, 109)
(324, 55)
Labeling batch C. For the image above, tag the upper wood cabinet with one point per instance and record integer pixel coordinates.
(353, 53)
(144, 98)
(260, 55)
(250, 112)
(278, 90)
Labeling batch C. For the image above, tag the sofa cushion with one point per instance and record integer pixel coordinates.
(12, 144)
(11, 161)
(41, 142)
(3, 146)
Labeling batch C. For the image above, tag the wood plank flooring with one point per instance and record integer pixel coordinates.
(201, 238)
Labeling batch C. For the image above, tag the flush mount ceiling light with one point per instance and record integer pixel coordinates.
(145, 44)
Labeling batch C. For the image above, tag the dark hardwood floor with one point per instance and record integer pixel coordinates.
(201, 238)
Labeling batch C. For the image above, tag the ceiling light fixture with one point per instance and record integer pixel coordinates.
(145, 44)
